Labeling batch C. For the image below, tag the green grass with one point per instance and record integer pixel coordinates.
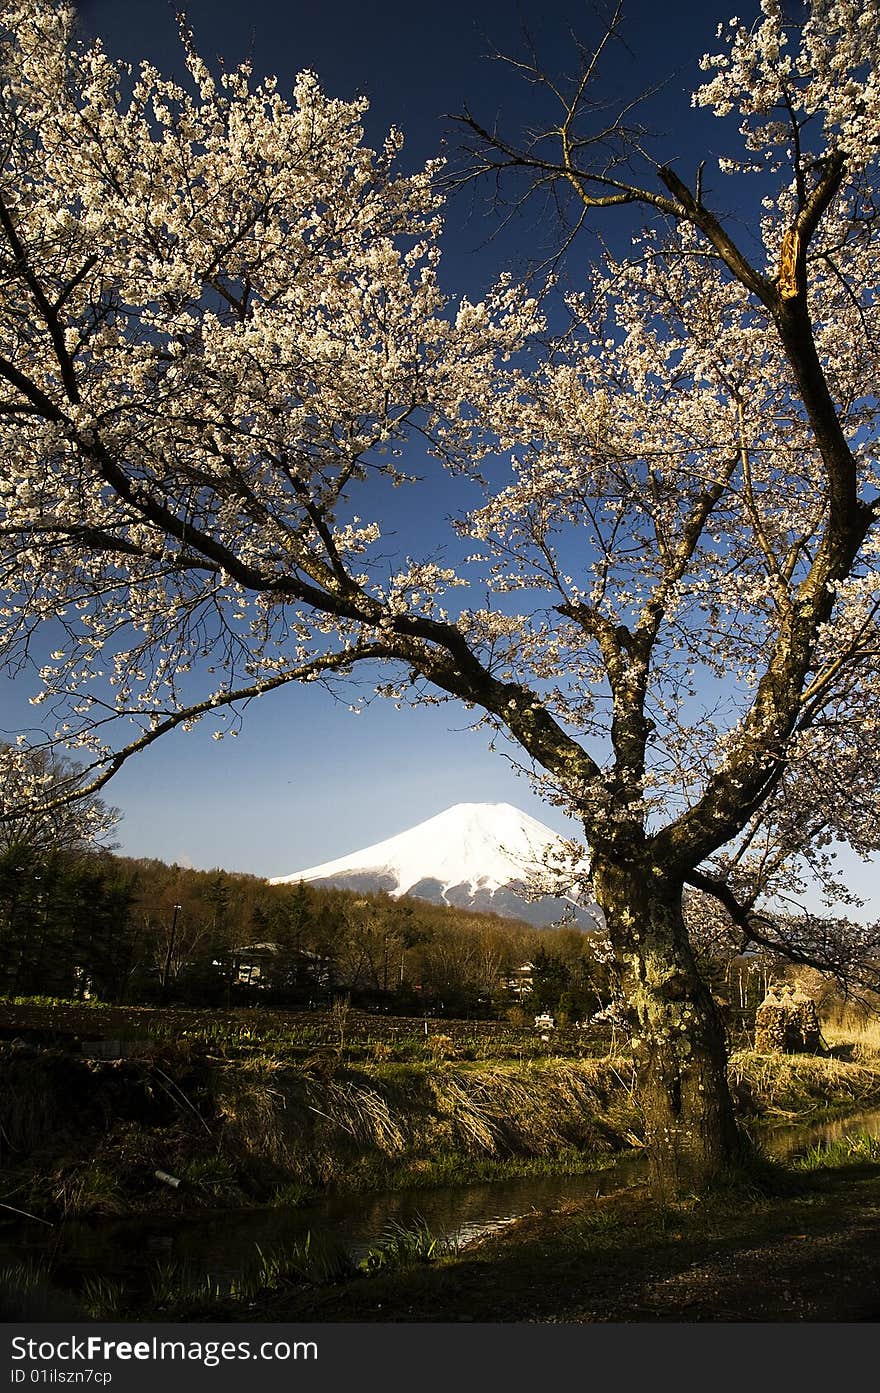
(91, 1004)
(179, 1290)
(846, 1151)
(401, 1247)
(291, 1195)
(24, 1277)
(305, 1261)
(103, 1298)
(213, 1175)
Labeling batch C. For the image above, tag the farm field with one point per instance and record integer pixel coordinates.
(288, 1032)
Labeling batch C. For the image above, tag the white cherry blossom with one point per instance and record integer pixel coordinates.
(221, 327)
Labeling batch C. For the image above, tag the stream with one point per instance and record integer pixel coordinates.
(224, 1244)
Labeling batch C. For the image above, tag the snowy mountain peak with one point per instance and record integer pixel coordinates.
(474, 855)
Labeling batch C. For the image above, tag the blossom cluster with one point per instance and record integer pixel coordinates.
(222, 329)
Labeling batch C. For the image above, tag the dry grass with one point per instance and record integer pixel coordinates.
(318, 1126)
(248, 1101)
(365, 1115)
(791, 1085)
(533, 1110)
(854, 1031)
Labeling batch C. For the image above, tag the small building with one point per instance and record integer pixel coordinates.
(251, 962)
(521, 980)
(257, 964)
(545, 1021)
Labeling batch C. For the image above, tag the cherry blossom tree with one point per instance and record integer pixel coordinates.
(708, 428)
(34, 820)
(221, 324)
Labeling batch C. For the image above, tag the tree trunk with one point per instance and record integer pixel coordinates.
(679, 1039)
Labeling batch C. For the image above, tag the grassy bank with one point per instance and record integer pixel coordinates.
(795, 1087)
(85, 1136)
(246, 1124)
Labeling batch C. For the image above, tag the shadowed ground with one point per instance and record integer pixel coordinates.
(811, 1256)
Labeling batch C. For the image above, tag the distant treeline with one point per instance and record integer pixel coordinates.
(83, 924)
(79, 924)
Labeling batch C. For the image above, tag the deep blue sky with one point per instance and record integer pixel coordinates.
(305, 780)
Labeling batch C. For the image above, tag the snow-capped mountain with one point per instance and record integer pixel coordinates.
(481, 856)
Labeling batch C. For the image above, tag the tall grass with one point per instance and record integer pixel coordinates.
(27, 1293)
(23, 1277)
(323, 1125)
(304, 1261)
(103, 1298)
(853, 1030)
(792, 1085)
(401, 1247)
(179, 1289)
(845, 1151)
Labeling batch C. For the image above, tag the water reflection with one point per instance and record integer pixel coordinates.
(792, 1139)
(223, 1244)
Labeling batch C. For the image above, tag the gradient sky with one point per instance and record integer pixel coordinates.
(306, 781)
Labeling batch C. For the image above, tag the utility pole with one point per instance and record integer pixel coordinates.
(167, 968)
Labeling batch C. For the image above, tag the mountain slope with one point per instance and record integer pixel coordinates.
(484, 856)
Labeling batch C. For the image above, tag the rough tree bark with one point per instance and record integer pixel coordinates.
(691, 1134)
